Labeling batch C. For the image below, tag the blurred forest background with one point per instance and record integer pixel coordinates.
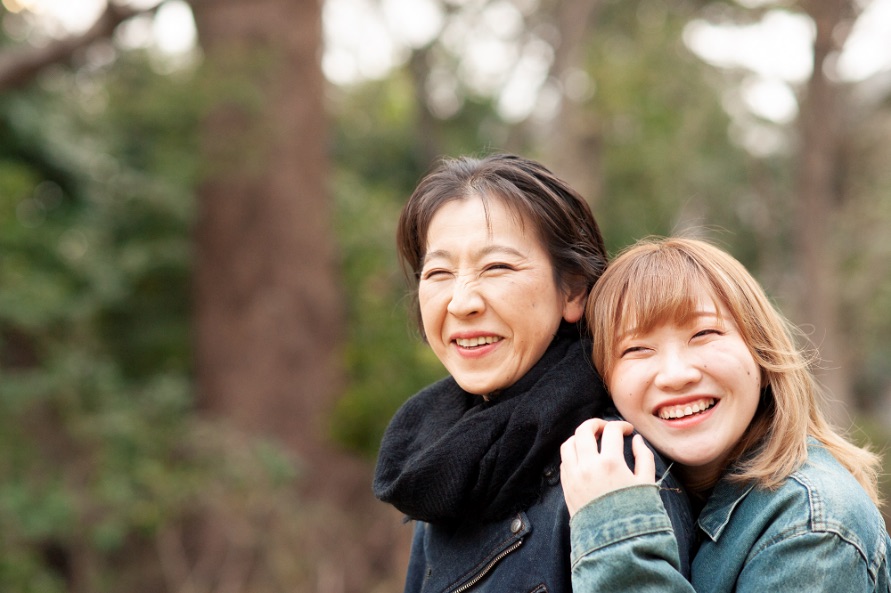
(202, 322)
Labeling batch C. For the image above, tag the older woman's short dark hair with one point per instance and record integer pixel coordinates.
(561, 218)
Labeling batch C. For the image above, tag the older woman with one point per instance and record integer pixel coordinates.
(503, 255)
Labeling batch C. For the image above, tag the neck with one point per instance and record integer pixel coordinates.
(698, 480)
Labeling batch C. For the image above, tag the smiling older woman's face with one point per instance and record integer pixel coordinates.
(489, 301)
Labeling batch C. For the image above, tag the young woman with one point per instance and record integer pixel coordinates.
(502, 254)
(701, 364)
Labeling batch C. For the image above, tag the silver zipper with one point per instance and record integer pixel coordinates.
(488, 567)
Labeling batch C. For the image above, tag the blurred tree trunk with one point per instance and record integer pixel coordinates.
(268, 310)
(427, 128)
(574, 141)
(818, 202)
(267, 305)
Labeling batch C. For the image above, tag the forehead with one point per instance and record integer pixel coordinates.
(477, 214)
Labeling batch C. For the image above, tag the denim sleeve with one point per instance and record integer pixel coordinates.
(812, 562)
(676, 503)
(623, 541)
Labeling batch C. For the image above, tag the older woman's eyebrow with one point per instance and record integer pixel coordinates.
(437, 254)
(479, 254)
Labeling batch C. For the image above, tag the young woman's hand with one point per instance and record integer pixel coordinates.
(587, 471)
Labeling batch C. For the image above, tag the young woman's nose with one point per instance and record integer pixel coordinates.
(677, 370)
(466, 299)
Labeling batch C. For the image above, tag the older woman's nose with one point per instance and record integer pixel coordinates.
(677, 369)
(466, 299)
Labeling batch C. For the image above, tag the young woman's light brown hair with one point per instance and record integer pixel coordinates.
(657, 280)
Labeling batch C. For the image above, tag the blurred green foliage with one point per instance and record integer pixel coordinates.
(101, 445)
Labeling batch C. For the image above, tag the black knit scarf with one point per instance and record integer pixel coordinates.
(449, 455)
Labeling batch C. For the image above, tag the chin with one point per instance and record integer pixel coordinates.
(475, 388)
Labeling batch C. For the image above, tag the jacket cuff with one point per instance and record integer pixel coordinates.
(619, 515)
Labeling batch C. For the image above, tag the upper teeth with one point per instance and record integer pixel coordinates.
(469, 342)
(669, 413)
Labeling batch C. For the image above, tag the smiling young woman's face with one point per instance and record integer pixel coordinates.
(691, 389)
(489, 301)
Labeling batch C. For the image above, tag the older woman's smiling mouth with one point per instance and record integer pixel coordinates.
(478, 341)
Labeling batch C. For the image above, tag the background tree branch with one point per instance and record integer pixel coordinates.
(19, 66)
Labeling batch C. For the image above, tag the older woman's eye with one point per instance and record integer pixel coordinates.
(498, 266)
(434, 274)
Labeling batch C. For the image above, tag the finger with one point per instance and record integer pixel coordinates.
(612, 440)
(568, 455)
(586, 437)
(594, 425)
(644, 461)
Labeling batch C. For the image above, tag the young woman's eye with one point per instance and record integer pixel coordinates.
(708, 332)
(630, 350)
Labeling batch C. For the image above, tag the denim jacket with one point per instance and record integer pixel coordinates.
(528, 552)
(818, 532)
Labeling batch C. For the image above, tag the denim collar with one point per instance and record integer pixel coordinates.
(720, 506)
(726, 498)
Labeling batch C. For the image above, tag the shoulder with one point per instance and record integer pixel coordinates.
(821, 494)
(835, 500)
(821, 499)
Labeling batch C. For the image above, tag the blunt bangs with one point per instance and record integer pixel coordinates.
(659, 293)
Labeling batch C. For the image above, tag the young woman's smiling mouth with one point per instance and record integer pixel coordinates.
(687, 409)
